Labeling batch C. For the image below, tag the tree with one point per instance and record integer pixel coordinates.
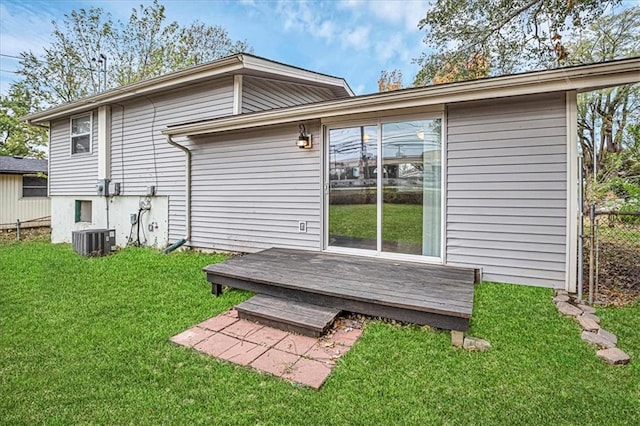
(390, 80)
(509, 35)
(145, 46)
(18, 138)
(607, 118)
(476, 67)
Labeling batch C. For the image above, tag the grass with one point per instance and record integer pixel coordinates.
(87, 341)
(401, 222)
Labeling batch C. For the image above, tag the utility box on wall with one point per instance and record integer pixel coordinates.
(102, 187)
(94, 242)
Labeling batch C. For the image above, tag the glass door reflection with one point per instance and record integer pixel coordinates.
(353, 193)
(385, 187)
(411, 187)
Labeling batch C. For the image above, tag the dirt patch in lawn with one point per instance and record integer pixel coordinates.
(618, 273)
(42, 233)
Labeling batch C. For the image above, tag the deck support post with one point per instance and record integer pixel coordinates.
(216, 289)
(457, 338)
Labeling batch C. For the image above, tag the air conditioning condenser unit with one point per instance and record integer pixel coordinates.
(94, 242)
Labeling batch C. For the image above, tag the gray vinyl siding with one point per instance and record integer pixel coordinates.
(506, 188)
(145, 158)
(250, 190)
(259, 94)
(72, 174)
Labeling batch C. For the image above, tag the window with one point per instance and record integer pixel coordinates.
(81, 127)
(34, 186)
(83, 211)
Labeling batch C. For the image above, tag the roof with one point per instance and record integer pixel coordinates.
(19, 165)
(239, 64)
(579, 78)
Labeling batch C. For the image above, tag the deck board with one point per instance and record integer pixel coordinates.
(436, 289)
(303, 318)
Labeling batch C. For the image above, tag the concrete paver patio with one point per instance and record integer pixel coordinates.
(298, 359)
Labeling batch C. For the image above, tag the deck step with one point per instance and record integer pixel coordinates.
(290, 315)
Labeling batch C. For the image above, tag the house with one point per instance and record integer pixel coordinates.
(23, 193)
(244, 154)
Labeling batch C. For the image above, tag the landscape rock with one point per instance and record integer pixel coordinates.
(457, 338)
(597, 339)
(561, 298)
(587, 309)
(608, 335)
(592, 316)
(588, 324)
(613, 356)
(560, 292)
(476, 344)
(568, 309)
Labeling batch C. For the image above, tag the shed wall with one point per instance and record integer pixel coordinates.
(14, 207)
(506, 188)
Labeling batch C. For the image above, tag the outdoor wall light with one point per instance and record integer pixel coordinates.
(304, 140)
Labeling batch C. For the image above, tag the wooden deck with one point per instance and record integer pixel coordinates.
(436, 295)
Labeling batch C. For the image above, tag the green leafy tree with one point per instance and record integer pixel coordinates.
(500, 36)
(17, 138)
(476, 38)
(607, 118)
(145, 46)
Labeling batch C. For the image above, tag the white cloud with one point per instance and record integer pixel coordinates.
(389, 48)
(306, 18)
(358, 38)
(296, 15)
(326, 30)
(406, 13)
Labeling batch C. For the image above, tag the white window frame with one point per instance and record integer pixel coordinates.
(72, 135)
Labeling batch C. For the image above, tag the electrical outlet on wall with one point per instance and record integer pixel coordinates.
(302, 226)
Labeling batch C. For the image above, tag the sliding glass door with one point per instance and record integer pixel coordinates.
(353, 191)
(384, 187)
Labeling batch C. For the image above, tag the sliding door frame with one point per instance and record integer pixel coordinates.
(378, 122)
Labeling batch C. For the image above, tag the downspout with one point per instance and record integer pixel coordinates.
(187, 201)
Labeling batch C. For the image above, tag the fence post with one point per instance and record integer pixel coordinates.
(592, 251)
(581, 225)
(18, 229)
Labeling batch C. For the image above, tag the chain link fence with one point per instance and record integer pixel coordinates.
(612, 256)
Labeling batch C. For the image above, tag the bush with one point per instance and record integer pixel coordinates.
(369, 196)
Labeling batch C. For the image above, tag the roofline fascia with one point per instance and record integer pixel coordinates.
(578, 78)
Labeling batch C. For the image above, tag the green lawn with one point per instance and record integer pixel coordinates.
(87, 341)
(402, 222)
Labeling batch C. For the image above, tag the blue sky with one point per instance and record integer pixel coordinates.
(352, 39)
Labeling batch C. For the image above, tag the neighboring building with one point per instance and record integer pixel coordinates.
(23, 192)
(479, 173)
